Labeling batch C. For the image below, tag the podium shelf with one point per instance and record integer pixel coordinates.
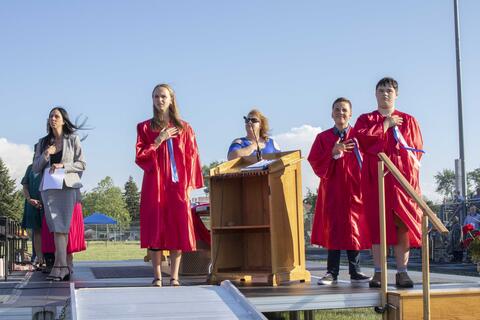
(257, 220)
(256, 228)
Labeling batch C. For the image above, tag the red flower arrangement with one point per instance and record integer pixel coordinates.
(472, 241)
(467, 228)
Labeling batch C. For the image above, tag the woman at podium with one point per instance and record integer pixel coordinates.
(256, 127)
(167, 152)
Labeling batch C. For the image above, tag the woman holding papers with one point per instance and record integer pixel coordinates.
(256, 126)
(59, 158)
(167, 152)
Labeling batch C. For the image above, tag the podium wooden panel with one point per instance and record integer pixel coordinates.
(257, 221)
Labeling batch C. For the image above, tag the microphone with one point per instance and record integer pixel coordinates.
(259, 152)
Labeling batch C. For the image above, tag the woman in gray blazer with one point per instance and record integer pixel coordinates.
(60, 149)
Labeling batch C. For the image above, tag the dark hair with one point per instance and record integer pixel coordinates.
(342, 99)
(172, 110)
(68, 128)
(387, 81)
(35, 146)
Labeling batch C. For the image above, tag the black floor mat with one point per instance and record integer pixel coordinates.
(124, 272)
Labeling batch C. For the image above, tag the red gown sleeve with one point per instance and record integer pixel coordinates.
(193, 168)
(320, 157)
(416, 135)
(145, 151)
(370, 135)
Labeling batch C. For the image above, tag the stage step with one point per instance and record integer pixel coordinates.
(446, 302)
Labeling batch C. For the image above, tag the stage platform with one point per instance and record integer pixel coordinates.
(24, 295)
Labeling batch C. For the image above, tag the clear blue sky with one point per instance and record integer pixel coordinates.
(290, 59)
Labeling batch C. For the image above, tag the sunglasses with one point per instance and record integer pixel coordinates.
(252, 120)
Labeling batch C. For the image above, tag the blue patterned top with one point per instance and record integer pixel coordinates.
(270, 146)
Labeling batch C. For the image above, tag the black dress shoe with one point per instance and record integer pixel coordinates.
(359, 277)
(402, 280)
(376, 281)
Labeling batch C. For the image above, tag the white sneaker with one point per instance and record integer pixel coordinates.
(327, 279)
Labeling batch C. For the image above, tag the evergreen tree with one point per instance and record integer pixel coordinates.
(310, 200)
(131, 196)
(106, 198)
(11, 201)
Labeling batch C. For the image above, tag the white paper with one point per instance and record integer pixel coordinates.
(260, 165)
(53, 181)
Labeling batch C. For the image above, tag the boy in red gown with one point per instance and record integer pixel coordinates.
(398, 135)
(339, 222)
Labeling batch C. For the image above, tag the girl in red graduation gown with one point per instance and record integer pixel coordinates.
(167, 152)
(339, 222)
(398, 135)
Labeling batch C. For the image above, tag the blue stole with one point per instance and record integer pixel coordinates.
(173, 165)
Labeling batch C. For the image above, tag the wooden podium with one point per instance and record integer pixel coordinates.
(257, 221)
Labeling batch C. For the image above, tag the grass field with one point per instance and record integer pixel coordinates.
(110, 250)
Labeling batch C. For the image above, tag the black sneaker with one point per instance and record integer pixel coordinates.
(402, 280)
(359, 277)
(327, 279)
(376, 281)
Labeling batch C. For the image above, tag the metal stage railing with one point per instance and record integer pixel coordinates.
(427, 214)
(13, 244)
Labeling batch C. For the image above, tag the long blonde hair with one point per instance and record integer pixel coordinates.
(264, 127)
(156, 122)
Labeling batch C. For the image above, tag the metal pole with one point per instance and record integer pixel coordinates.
(463, 189)
(425, 269)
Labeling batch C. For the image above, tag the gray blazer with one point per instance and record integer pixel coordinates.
(72, 159)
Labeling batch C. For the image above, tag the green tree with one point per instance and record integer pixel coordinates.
(108, 199)
(11, 201)
(434, 206)
(310, 200)
(131, 196)
(445, 181)
(206, 174)
(473, 178)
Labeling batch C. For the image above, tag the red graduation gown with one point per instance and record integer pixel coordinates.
(372, 139)
(339, 222)
(165, 215)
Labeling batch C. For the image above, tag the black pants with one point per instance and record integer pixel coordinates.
(457, 256)
(49, 259)
(333, 262)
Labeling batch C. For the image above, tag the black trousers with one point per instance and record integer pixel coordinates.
(457, 256)
(333, 262)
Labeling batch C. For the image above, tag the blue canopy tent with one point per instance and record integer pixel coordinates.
(97, 218)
